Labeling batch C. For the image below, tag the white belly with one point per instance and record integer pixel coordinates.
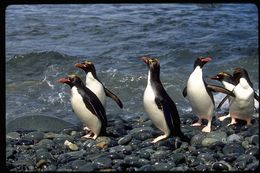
(90, 120)
(156, 115)
(242, 106)
(96, 87)
(201, 103)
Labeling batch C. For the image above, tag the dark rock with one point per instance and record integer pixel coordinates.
(144, 154)
(253, 151)
(45, 143)
(147, 168)
(35, 136)
(201, 168)
(115, 156)
(221, 166)
(42, 155)
(234, 137)
(228, 158)
(197, 139)
(13, 136)
(76, 164)
(125, 140)
(206, 157)
(178, 158)
(252, 166)
(233, 148)
(161, 166)
(143, 135)
(254, 140)
(240, 165)
(103, 162)
(160, 154)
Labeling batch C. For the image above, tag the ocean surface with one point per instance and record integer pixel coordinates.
(43, 42)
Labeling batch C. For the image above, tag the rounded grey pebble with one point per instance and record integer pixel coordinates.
(103, 162)
(144, 154)
(233, 148)
(234, 137)
(221, 166)
(252, 166)
(208, 141)
(178, 158)
(45, 143)
(125, 140)
(253, 151)
(197, 139)
(76, 164)
(44, 155)
(254, 140)
(160, 166)
(161, 154)
(88, 167)
(147, 168)
(13, 135)
(35, 136)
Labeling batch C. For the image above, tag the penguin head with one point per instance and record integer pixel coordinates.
(152, 63)
(71, 80)
(222, 76)
(241, 73)
(201, 61)
(87, 66)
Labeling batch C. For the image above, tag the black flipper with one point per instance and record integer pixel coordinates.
(171, 115)
(95, 106)
(215, 88)
(256, 96)
(114, 97)
(223, 101)
(184, 92)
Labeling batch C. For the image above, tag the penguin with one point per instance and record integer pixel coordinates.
(200, 94)
(95, 85)
(158, 105)
(87, 107)
(242, 106)
(229, 83)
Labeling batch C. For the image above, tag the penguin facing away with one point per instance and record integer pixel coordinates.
(95, 85)
(200, 94)
(242, 106)
(158, 105)
(86, 106)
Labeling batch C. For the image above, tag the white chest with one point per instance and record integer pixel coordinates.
(96, 87)
(228, 85)
(156, 115)
(82, 112)
(201, 103)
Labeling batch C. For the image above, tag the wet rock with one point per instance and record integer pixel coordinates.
(254, 140)
(13, 135)
(103, 162)
(218, 135)
(125, 140)
(197, 139)
(34, 136)
(221, 166)
(45, 143)
(76, 164)
(252, 166)
(161, 166)
(208, 141)
(160, 154)
(234, 138)
(70, 145)
(254, 151)
(233, 148)
(147, 168)
(178, 158)
(43, 155)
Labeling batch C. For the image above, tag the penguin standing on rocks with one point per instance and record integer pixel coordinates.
(87, 107)
(229, 83)
(95, 85)
(200, 94)
(242, 106)
(158, 105)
